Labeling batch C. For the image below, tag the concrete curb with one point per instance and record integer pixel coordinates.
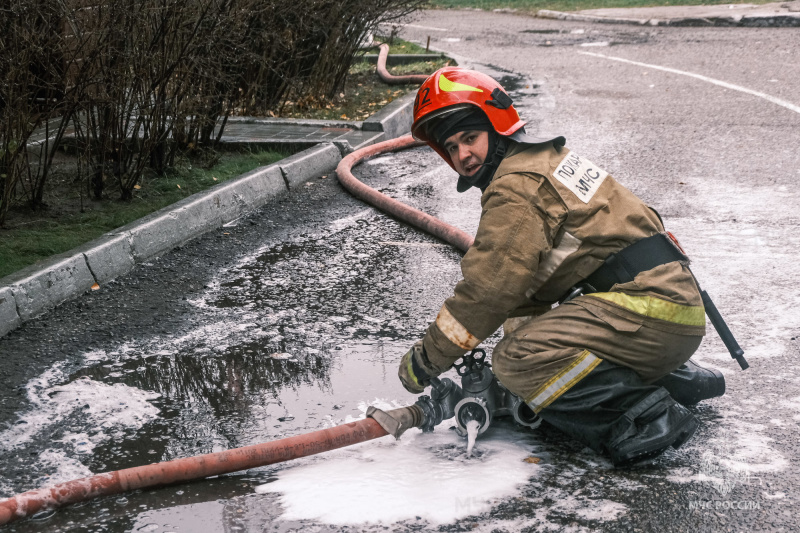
(393, 120)
(34, 290)
(276, 121)
(779, 21)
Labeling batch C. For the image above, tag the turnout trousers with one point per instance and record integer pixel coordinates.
(589, 371)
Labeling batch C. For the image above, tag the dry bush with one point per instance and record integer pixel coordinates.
(141, 80)
(32, 97)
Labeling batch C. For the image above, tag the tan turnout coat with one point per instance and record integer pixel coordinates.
(549, 218)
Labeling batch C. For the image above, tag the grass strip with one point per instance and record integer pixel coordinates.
(37, 236)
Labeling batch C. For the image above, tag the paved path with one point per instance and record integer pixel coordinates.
(774, 14)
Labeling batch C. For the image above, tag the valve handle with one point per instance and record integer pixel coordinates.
(471, 362)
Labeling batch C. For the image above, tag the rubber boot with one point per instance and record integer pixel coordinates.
(648, 428)
(691, 383)
(614, 412)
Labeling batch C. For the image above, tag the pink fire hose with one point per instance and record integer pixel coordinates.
(395, 208)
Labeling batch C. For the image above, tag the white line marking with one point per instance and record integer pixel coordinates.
(416, 26)
(782, 103)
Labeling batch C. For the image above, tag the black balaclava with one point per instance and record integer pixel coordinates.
(471, 119)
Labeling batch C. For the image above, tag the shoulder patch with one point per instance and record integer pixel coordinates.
(580, 176)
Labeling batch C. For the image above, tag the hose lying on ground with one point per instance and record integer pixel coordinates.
(391, 79)
(395, 208)
(200, 466)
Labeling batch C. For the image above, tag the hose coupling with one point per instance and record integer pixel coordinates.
(440, 405)
(432, 414)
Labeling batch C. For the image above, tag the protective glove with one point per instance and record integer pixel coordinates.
(415, 371)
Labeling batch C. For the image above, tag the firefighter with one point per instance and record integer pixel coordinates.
(599, 309)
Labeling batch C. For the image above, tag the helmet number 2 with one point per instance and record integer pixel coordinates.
(422, 99)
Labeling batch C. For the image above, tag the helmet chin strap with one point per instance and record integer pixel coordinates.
(498, 145)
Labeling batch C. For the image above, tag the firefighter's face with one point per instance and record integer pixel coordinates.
(467, 150)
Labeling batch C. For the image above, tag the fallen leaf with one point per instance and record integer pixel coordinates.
(533, 460)
(179, 186)
(213, 178)
(96, 287)
(226, 233)
(137, 187)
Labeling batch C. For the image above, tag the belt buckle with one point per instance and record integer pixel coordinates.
(577, 290)
(574, 292)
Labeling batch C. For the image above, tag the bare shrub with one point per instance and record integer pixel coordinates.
(140, 81)
(32, 94)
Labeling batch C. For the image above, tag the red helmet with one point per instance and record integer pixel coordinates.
(452, 88)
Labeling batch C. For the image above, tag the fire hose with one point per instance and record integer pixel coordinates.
(189, 468)
(383, 53)
(397, 209)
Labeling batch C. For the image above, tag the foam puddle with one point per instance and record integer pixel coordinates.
(109, 410)
(424, 475)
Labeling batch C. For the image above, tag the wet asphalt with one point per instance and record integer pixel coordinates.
(289, 318)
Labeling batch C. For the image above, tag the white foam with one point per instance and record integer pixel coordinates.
(753, 448)
(602, 510)
(472, 434)
(81, 443)
(342, 223)
(792, 405)
(107, 408)
(423, 474)
(65, 468)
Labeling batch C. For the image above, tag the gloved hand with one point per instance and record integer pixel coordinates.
(415, 371)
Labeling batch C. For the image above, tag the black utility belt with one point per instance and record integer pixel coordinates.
(641, 256)
(644, 255)
(623, 266)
